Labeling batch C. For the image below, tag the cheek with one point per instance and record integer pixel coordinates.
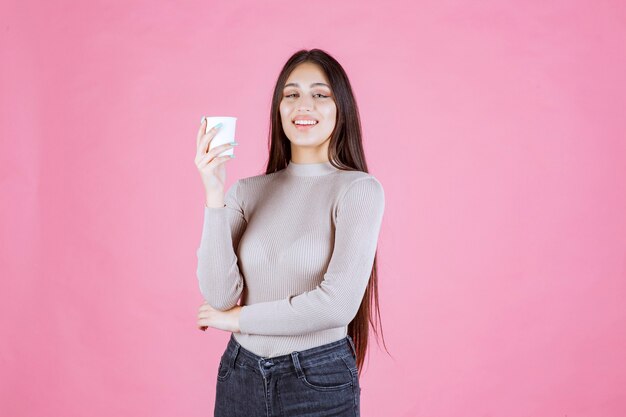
(286, 108)
(284, 114)
(330, 114)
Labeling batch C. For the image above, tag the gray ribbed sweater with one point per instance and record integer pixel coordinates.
(298, 246)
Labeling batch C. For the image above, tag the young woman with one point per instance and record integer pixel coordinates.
(298, 245)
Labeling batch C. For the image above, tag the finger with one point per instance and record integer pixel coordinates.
(204, 134)
(201, 130)
(206, 139)
(221, 148)
(214, 162)
(209, 160)
(205, 306)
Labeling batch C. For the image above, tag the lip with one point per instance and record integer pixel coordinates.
(304, 127)
(303, 118)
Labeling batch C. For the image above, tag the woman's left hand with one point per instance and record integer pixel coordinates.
(223, 320)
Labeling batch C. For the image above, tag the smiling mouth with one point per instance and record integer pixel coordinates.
(307, 123)
(305, 126)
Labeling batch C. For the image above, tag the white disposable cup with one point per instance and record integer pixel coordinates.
(225, 134)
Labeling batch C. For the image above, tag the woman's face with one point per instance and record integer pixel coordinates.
(307, 95)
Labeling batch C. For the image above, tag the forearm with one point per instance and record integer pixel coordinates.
(219, 278)
(281, 319)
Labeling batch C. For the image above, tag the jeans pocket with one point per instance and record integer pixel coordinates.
(224, 370)
(331, 375)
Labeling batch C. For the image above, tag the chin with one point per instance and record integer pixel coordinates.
(306, 141)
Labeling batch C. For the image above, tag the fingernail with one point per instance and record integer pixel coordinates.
(233, 143)
(220, 124)
(202, 120)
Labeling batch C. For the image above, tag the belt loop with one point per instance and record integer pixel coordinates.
(351, 345)
(296, 364)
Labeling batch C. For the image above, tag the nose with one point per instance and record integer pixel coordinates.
(305, 103)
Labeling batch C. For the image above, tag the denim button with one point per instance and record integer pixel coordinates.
(268, 364)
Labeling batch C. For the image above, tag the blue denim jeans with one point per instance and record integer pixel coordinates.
(320, 381)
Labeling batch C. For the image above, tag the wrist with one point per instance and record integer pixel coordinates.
(214, 203)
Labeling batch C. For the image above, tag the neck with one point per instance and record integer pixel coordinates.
(311, 169)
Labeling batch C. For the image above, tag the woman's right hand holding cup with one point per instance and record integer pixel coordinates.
(211, 167)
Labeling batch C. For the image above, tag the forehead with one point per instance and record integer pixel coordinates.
(306, 74)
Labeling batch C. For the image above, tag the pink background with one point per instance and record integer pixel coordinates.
(497, 129)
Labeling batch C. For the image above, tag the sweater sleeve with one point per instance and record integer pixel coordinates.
(336, 300)
(220, 280)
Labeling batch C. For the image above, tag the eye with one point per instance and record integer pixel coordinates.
(318, 94)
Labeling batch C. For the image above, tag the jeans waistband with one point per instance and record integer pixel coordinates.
(308, 357)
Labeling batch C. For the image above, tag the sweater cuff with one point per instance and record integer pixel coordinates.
(244, 320)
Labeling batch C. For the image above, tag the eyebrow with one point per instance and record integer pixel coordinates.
(312, 85)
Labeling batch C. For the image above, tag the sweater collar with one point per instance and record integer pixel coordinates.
(308, 170)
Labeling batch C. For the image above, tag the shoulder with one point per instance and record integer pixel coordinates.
(260, 179)
(357, 184)
(247, 188)
(361, 195)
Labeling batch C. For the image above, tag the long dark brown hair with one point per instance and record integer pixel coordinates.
(345, 151)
